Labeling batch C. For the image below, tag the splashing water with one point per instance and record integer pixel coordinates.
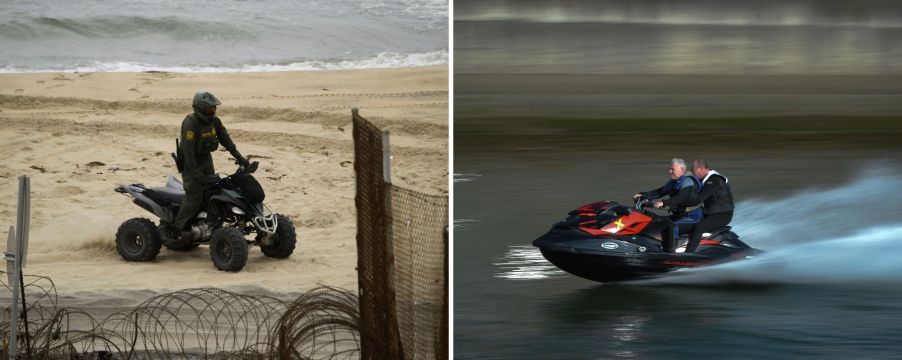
(850, 233)
(820, 214)
(870, 256)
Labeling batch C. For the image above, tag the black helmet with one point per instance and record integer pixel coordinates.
(204, 100)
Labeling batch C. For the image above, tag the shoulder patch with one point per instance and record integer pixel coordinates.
(189, 135)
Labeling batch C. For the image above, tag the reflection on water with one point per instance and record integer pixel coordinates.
(525, 262)
(465, 177)
(690, 37)
(460, 224)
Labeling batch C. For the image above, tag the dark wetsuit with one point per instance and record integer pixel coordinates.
(684, 217)
(718, 199)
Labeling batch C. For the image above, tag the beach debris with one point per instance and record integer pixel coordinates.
(252, 156)
(115, 168)
(345, 163)
(95, 164)
(38, 168)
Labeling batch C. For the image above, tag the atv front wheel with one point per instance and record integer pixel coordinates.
(138, 240)
(228, 249)
(282, 242)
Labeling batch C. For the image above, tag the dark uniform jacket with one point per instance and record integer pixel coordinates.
(201, 135)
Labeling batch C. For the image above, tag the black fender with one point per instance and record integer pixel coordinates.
(228, 200)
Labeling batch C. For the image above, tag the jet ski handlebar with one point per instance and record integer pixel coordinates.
(642, 203)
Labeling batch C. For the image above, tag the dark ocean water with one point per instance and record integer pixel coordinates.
(678, 37)
(558, 104)
(227, 35)
(826, 289)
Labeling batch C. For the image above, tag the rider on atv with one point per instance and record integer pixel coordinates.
(202, 132)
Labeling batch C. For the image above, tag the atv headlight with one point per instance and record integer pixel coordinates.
(237, 210)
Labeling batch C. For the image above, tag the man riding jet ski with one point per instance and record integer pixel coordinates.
(605, 241)
(679, 190)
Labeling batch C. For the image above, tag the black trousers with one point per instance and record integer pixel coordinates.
(708, 223)
(668, 239)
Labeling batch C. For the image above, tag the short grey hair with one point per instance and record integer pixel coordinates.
(679, 162)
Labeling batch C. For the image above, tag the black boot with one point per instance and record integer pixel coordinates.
(168, 233)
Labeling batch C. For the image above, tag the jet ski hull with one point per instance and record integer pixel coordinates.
(614, 267)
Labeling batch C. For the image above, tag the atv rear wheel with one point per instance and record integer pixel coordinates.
(228, 249)
(283, 241)
(138, 240)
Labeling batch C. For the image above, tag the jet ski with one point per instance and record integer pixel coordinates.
(608, 242)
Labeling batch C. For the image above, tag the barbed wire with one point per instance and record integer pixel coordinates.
(202, 323)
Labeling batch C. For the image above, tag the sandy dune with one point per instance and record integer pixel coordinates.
(78, 135)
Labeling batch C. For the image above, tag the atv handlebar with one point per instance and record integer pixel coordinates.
(250, 169)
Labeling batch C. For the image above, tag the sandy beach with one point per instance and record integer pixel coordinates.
(79, 135)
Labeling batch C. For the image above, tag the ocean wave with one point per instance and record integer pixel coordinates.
(101, 27)
(380, 61)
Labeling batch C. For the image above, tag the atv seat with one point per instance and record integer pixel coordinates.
(173, 192)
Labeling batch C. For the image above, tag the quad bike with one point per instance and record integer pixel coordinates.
(233, 210)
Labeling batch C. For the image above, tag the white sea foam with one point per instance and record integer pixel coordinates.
(381, 61)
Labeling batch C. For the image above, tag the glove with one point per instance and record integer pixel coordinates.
(209, 180)
(240, 160)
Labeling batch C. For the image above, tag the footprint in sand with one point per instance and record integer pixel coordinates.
(19, 91)
(39, 82)
(133, 89)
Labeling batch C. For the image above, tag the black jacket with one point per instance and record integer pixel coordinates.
(716, 195)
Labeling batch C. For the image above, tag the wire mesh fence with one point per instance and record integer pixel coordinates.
(402, 259)
(418, 223)
(203, 323)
